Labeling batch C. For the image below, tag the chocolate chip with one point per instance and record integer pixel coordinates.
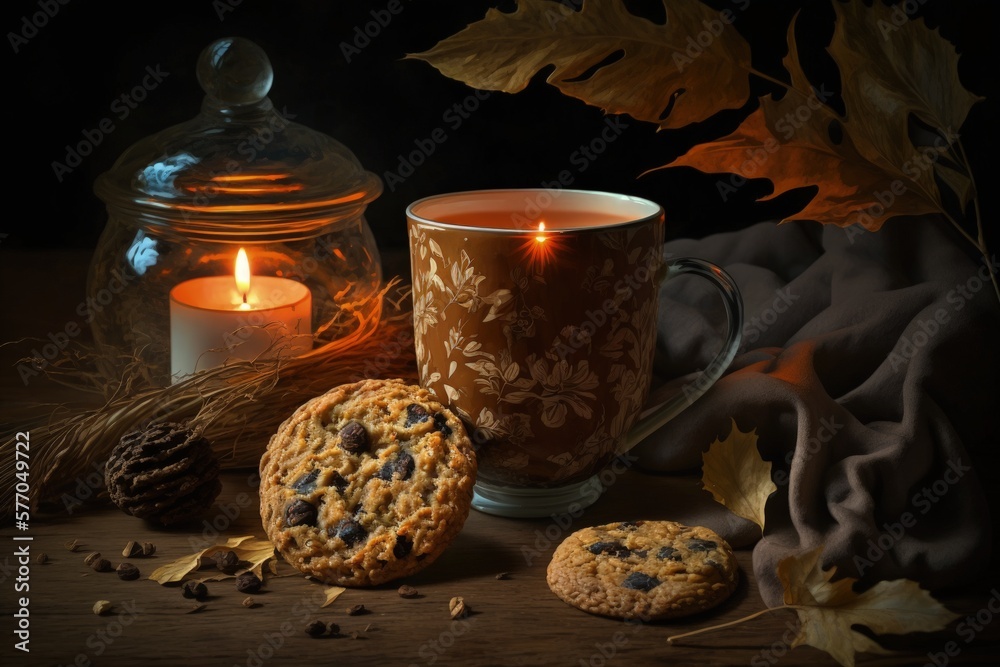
(638, 581)
(628, 525)
(357, 610)
(306, 483)
(227, 561)
(301, 513)
(354, 437)
(701, 545)
(403, 546)
(401, 466)
(316, 629)
(669, 553)
(638, 553)
(348, 530)
(616, 549)
(441, 424)
(194, 589)
(416, 414)
(338, 482)
(127, 571)
(248, 582)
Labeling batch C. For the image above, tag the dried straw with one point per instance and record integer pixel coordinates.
(237, 406)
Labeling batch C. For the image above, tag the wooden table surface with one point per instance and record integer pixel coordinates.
(516, 620)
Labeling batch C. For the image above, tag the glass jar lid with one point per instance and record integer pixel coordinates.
(239, 166)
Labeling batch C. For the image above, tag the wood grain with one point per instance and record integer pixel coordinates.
(516, 621)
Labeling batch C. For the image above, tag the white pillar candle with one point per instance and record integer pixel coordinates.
(218, 318)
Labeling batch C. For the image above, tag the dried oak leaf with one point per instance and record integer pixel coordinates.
(248, 548)
(736, 476)
(827, 609)
(799, 140)
(607, 57)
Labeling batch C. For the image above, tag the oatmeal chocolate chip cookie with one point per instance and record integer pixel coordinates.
(366, 483)
(648, 570)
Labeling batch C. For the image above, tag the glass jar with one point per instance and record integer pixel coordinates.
(182, 202)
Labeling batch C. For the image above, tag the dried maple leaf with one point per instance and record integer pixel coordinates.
(866, 167)
(659, 68)
(736, 476)
(828, 609)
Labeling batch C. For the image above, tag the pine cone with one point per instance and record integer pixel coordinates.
(166, 473)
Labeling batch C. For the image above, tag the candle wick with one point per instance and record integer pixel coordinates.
(244, 298)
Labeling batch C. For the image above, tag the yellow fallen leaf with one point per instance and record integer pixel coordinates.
(736, 476)
(827, 609)
(248, 549)
(332, 593)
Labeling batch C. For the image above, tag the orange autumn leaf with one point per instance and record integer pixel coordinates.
(864, 164)
(607, 57)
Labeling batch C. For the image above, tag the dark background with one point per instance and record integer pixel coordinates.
(65, 78)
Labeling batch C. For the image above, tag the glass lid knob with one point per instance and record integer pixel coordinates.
(234, 72)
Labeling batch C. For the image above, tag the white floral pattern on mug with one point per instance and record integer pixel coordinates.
(480, 345)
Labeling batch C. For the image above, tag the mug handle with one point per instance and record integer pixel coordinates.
(652, 418)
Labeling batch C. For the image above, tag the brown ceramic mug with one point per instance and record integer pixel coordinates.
(535, 320)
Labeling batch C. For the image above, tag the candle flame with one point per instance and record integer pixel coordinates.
(243, 274)
(541, 236)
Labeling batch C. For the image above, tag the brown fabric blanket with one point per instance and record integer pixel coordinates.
(868, 368)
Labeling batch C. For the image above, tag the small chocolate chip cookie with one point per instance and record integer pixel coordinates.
(366, 483)
(646, 570)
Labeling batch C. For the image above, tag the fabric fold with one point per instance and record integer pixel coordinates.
(868, 368)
